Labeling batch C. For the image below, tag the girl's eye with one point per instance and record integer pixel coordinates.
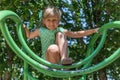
(48, 20)
(55, 20)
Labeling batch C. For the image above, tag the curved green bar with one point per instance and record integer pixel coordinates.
(41, 66)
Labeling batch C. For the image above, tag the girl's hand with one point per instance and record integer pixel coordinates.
(96, 30)
(24, 25)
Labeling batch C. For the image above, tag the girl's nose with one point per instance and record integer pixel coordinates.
(51, 23)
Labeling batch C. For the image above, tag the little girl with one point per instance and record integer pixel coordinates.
(53, 38)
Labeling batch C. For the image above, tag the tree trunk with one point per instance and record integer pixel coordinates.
(102, 74)
(0, 76)
(7, 76)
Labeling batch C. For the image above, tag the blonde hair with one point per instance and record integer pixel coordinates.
(51, 11)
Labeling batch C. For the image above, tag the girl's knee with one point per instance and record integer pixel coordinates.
(53, 49)
(52, 54)
(59, 34)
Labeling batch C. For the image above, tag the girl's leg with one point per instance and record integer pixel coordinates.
(52, 54)
(61, 41)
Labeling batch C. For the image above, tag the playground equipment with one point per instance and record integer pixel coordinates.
(48, 68)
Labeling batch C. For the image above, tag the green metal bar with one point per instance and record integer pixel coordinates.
(25, 70)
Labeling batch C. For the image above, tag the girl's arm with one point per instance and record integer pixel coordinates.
(33, 34)
(79, 34)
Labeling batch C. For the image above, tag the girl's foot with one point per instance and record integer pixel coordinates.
(67, 61)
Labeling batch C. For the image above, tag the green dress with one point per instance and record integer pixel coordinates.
(47, 38)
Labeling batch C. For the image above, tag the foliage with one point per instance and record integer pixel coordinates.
(77, 15)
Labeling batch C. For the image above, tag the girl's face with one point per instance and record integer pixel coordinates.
(51, 22)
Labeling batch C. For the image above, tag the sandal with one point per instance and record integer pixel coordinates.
(67, 61)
